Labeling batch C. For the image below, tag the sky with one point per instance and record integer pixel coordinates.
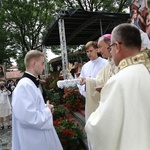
(50, 55)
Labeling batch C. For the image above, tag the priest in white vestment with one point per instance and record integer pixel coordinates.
(92, 95)
(121, 121)
(93, 66)
(32, 119)
(93, 84)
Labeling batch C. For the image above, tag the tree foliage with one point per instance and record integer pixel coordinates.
(97, 5)
(23, 22)
(5, 51)
(26, 21)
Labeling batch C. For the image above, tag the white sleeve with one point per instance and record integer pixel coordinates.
(107, 117)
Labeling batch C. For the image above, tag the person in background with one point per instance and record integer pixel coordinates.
(137, 20)
(141, 7)
(74, 70)
(32, 120)
(93, 66)
(148, 24)
(11, 85)
(42, 82)
(144, 35)
(79, 68)
(5, 107)
(1, 72)
(121, 121)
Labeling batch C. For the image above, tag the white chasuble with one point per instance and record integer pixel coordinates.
(122, 120)
(93, 96)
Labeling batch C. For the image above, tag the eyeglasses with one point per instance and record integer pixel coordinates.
(110, 46)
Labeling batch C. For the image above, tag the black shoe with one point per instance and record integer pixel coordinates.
(1, 127)
(9, 127)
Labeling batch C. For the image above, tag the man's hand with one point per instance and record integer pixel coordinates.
(50, 106)
(83, 80)
(98, 88)
(42, 81)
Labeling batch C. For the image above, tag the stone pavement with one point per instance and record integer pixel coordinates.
(5, 137)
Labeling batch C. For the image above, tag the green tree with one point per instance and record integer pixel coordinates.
(5, 51)
(25, 22)
(97, 5)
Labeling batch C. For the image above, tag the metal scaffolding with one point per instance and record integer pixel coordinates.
(45, 62)
(63, 48)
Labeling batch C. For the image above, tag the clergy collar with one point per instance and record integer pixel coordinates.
(31, 77)
(30, 74)
(141, 58)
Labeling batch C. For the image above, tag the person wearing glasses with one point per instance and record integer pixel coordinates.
(121, 121)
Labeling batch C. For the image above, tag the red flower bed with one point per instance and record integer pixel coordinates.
(73, 100)
(68, 132)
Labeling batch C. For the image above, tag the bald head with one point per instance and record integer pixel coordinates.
(128, 35)
(125, 42)
(103, 44)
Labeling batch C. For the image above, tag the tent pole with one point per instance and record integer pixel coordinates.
(101, 28)
(63, 48)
